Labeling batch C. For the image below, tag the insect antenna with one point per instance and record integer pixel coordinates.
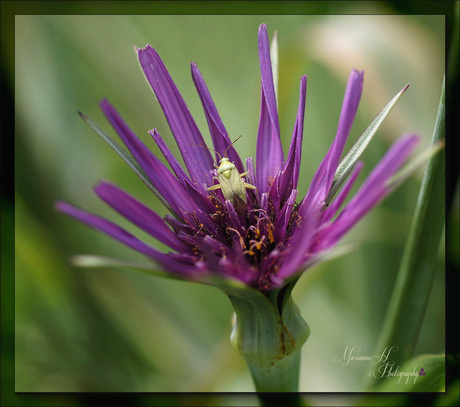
(232, 144)
(209, 148)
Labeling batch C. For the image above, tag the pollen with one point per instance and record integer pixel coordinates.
(271, 238)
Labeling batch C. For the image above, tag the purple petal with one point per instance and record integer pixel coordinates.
(264, 202)
(347, 116)
(191, 144)
(123, 236)
(371, 192)
(138, 214)
(166, 184)
(269, 152)
(298, 245)
(338, 201)
(269, 264)
(324, 176)
(178, 170)
(275, 194)
(252, 194)
(283, 218)
(241, 271)
(220, 138)
(197, 196)
(238, 247)
(178, 226)
(233, 218)
(290, 174)
(315, 195)
(220, 259)
(206, 241)
(250, 169)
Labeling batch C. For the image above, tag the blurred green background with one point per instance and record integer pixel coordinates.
(111, 331)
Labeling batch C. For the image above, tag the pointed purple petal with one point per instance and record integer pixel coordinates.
(274, 193)
(264, 202)
(338, 201)
(191, 144)
(290, 174)
(269, 152)
(166, 184)
(371, 192)
(220, 259)
(138, 214)
(298, 245)
(283, 218)
(220, 138)
(241, 271)
(238, 243)
(269, 265)
(198, 197)
(324, 176)
(250, 169)
(314, 194)
(178, 226)
(347, 116)
(252, 194)
(185, 204)
(233, 219)
(123, 236)
(178, 170)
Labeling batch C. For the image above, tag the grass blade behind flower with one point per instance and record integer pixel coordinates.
(352, 157)
(412, 288)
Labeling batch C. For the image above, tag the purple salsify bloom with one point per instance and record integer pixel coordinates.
(265, 239)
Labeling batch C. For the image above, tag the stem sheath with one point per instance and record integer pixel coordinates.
(269, 339)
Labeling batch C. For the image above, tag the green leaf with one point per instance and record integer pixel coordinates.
(128, 159)
(94, 261)
(407, 378)
(412, 288)
(228, 285)
(347, 164)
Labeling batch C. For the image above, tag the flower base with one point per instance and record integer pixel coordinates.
(269, 332)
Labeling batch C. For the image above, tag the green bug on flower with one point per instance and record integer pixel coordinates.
(230, 180)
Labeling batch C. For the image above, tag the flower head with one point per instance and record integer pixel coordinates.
(234, 221)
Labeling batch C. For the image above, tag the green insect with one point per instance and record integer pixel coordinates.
(229, 178)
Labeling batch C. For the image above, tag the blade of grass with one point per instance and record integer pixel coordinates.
(352, 157)
(413, 284)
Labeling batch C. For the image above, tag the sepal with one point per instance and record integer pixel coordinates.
(269, 332)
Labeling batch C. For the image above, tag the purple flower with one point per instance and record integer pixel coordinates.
(263, 236)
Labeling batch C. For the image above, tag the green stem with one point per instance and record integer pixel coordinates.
(413, 284)
(269, 333)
